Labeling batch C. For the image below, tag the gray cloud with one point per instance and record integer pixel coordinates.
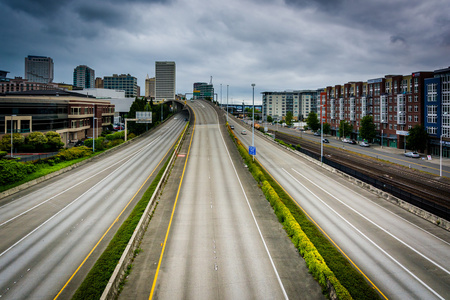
(277, 44)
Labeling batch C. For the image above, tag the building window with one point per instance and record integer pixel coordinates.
(416, 108)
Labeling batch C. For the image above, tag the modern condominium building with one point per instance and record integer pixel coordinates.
(39, 69)
(300, 103)
(437, 111)
(124, 82)
(83, 77)
(165, 80)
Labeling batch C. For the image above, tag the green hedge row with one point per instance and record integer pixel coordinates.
(320, 255)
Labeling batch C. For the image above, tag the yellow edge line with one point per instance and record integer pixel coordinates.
(323, 231)
(115, 220)
(171, 216)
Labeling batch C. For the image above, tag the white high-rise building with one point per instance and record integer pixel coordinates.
(39, 69)
(165, 79)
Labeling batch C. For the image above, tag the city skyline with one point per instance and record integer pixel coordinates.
(278, 45)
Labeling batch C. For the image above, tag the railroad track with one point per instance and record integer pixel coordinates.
(421, 184)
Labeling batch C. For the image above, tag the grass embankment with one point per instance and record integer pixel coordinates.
(324, 260)
(95, 282)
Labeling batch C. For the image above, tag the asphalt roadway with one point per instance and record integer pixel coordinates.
(214, 235)
(401, 254)
(52, 233)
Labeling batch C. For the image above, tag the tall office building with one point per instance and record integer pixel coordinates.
(83, 77)
(39, 69)
(165, 80)
(150, 87)
(124, 82)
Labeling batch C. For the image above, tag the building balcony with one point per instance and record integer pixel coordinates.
(80, 116)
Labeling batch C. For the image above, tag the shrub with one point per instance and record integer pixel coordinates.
(12, 171)
(72, 153)
(3, 154)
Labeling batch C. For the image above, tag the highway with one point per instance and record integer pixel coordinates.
(403, 255)
(48, 230)
(222, 242)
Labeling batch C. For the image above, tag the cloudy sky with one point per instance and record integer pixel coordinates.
(276, 44)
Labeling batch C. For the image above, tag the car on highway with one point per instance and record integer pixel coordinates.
(244, 132)
(232, 127)
(317, 133)
(412, 154)
(344, 140)
(325, 141)
(364, 144)
(353, 142)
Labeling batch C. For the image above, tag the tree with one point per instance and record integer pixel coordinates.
(417, 138)
(5, 143)
(326, 128)
(312, 121)
(288, 118)
(139, 104)
(54, 140)
(345, 128)
(37, 139)
(269, 119)
(368, 128)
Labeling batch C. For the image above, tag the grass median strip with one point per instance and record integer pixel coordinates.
(324, 261)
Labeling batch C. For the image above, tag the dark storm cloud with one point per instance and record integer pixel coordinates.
(278, 44)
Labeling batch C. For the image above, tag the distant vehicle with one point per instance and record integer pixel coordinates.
(79, 143)
(413, 154)
(232, 127)
(353, 142)
(316, 133)
(244, 132)
(344, 140)
(118, 127)
(364, 144)
(325, 141)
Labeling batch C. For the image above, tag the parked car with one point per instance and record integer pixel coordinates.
(232, 127)
(353, 142)
(413, 154)
(79, 143)
(344, 140)
(325, 141)
(244, 132)
(364, 144)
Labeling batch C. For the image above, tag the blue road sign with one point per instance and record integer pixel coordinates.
(252, 150)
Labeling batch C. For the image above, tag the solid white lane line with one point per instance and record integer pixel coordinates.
(390, 212)
(366, 237)
(378, 226)
(130, 156)
(253, 215)
(75, 200)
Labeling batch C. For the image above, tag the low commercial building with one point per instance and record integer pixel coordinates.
(72, 115)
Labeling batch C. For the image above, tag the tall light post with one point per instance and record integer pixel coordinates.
(221, 94)
(93, 129)
(12, 131)
(227, 103)
(321, 132)
(381, 138)
(253, 115)
(440, 147)
(162, 113)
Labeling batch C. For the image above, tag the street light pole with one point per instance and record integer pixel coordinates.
(253, 116)
(381, 138)
(12, 131)
(440, 158)
(227, 103)
(93, 129)
(321, 133)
